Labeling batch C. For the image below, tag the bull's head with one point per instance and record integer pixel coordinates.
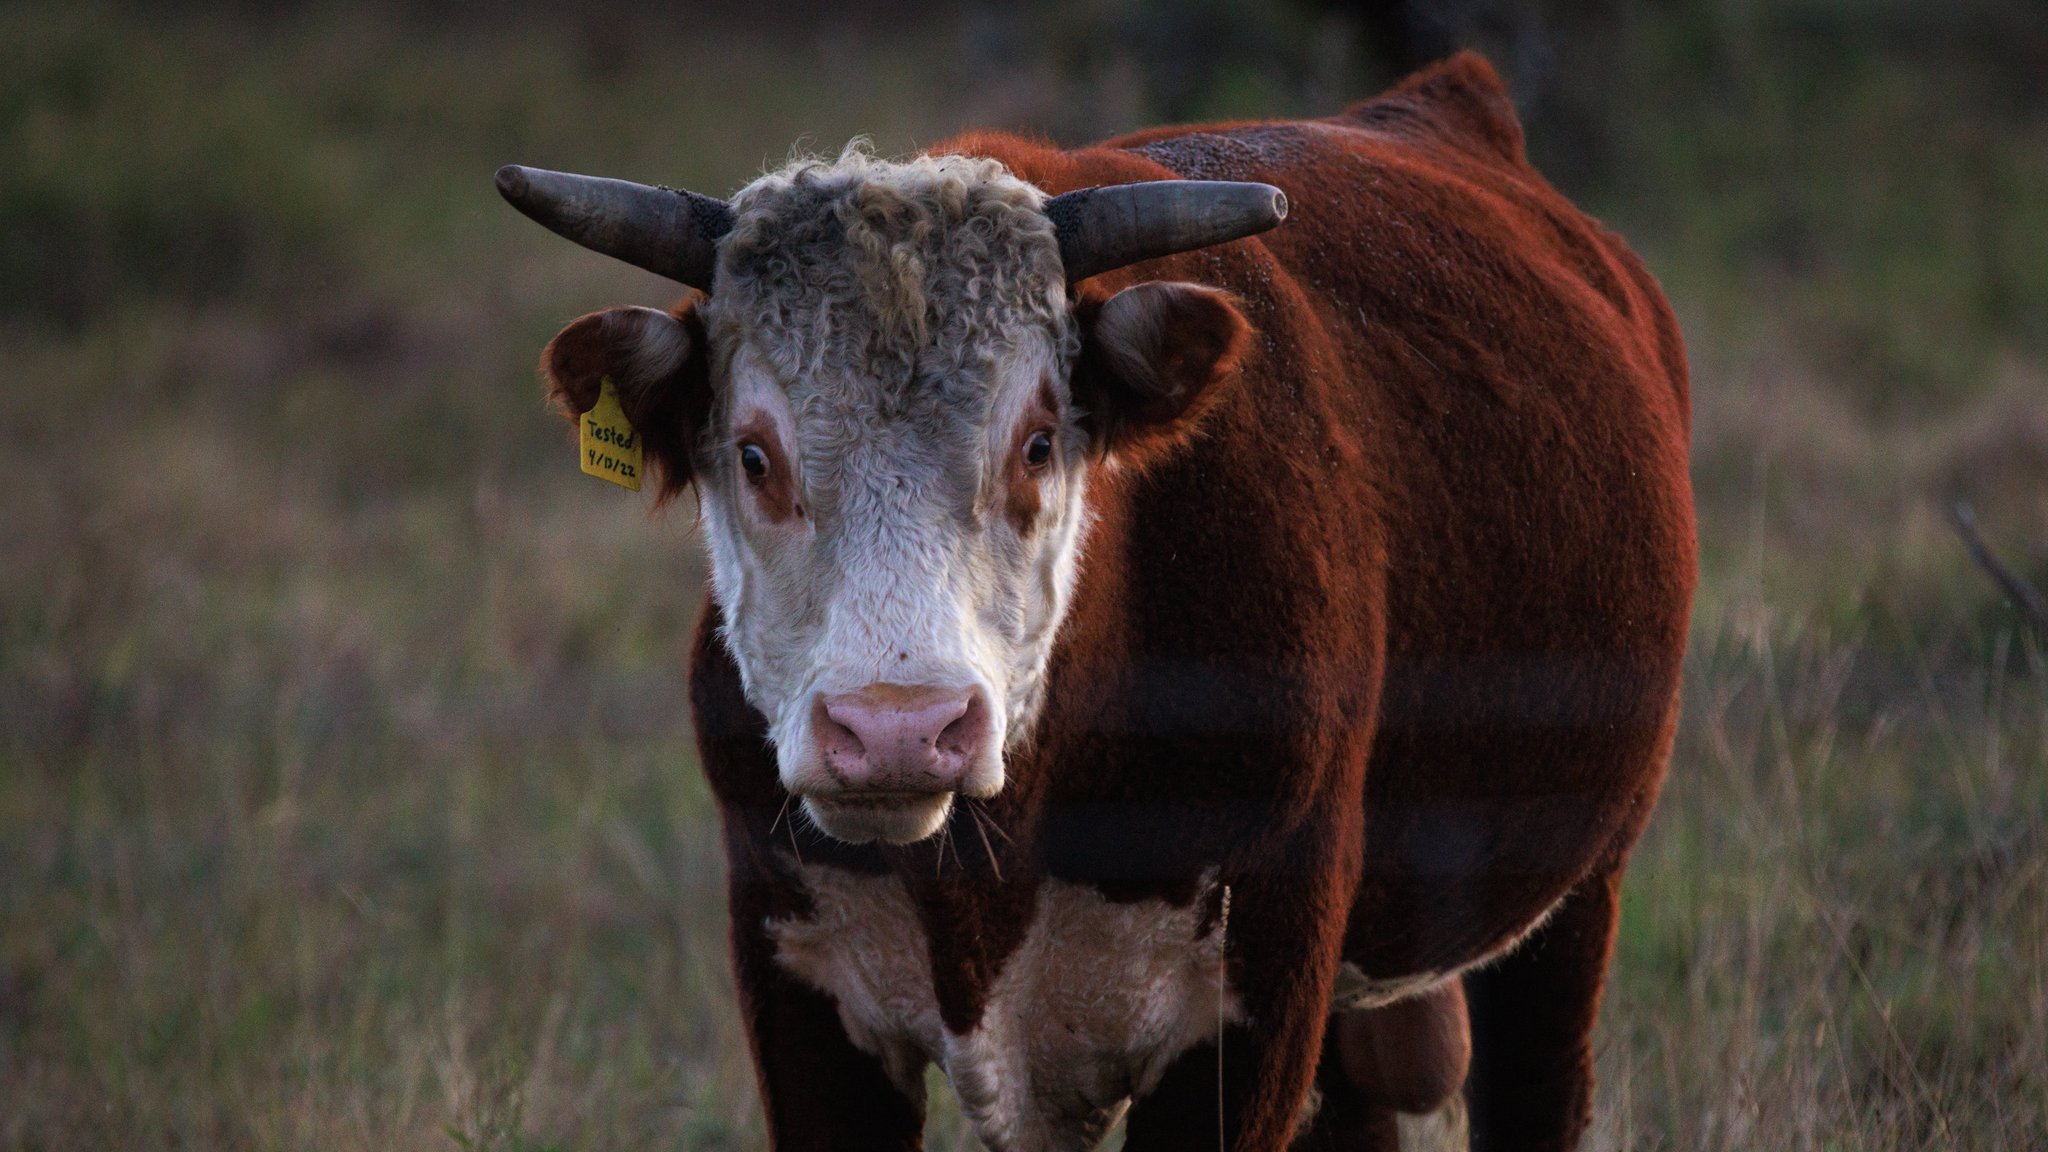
(890, 405)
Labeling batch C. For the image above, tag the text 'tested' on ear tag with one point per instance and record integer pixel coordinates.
(609, 449)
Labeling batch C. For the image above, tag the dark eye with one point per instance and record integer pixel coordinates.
(1038, 449)
(753, 461)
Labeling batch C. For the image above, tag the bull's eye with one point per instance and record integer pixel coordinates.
(1038, 449)
(753, 462)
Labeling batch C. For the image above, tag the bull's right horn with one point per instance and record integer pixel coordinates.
(1100, 229)
(667, 231)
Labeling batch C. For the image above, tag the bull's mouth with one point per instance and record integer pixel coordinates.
(891, 817)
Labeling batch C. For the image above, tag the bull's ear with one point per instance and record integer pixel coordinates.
(660, 365)
(1154, 358)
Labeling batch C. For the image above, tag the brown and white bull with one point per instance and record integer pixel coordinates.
(1220, 679)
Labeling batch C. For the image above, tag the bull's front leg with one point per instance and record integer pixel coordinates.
(818, 1090)
(1285, 934)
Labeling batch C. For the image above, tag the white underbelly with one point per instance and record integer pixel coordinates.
(1091, 1008)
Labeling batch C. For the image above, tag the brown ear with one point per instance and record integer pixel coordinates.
(1152, 357)
(658, 362)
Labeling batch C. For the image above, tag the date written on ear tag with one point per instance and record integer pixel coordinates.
(609, 448)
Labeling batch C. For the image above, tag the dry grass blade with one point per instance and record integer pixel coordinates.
(2023, 594)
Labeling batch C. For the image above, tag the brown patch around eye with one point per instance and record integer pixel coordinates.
(1023, 480)
(757, 449)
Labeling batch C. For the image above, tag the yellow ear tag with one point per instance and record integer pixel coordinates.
(610, 447)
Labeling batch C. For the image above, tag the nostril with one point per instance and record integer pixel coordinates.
(840, 738)
(838, 741)
(964, 735)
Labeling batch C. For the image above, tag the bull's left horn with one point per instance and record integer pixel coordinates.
(667, 231)
(1100, 229)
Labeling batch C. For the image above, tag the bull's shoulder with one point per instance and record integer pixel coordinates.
(1460, 101)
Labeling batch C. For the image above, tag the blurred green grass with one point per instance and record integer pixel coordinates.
(347, 796)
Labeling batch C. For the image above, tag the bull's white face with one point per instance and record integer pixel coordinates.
(892, 483)
(877, 404)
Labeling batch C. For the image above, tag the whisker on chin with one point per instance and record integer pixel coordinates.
(957, 862)
(993, 823)
(803, 814)
(981, 827)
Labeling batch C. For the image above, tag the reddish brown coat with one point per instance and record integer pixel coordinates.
(1394, 642)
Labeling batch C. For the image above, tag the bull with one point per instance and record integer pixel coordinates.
(1158, 664)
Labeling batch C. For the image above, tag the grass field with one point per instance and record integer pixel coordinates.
(347, 796)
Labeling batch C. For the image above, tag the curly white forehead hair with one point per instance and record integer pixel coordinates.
(904, 268)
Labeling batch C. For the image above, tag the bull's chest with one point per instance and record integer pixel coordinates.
(1088, 1011)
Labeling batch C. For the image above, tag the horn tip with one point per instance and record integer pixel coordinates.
(1279, 206)
(512, 184)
